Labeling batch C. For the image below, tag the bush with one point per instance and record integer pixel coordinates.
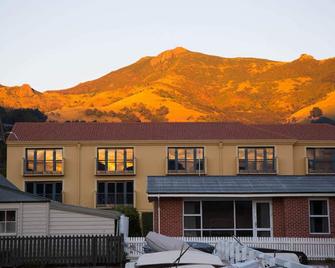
(134, 219)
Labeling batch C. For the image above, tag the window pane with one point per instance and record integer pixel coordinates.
(171, 153)
(111, 166)
(111, 155)
(130, 166)
(192, 207)
(111, 187)
(243, 214)
(59, 187)
(48, 188)
(199, 153)
(120, 187)
(2, 215)
(244, 233)
(10, 227)
(319, 225)
(269, 153)
(251, 154)
(263, 233)
(30, 187)
(192, 233)
(49, 155)
(181, 153)
(10, 215)
(260, 153)
(2, 227)
(101, 154)
(40, 188)
(192, 222)
(130, 154)
(30, 154)
(59, 154)
(40, 155)
(120, 155)
(190, 153)
(263, 215)
(130, 187)
(226, 233)
(218, 214)
(59, 167)
(171, 164)
(181, 165)
(101, 187)
(318, 207)
(241, 153)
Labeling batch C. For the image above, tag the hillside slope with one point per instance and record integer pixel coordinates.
(180, 85)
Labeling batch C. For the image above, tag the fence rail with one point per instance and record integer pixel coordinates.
(314, 248)
(60, 250)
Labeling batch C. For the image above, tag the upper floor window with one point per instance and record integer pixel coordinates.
(7, 222)
(113, 193)
(256, 160)
(186, 160)
(111, 161)
(319, 216)
(43, 162)
(50, 190)
(321, 160)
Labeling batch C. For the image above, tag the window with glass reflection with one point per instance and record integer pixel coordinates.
(319, 216)
(186, 160)
(115, 160)
(321, 160)
(7, 222)
(44, 161)
(256, 160)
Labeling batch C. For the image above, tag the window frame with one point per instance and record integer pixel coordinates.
(106, 161)
(246, 159)
(106, 193)
(5, 221)
(35, 161)
(54, 187)
(318, 216)
(185, 160)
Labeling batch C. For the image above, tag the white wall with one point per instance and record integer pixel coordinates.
(65, 222)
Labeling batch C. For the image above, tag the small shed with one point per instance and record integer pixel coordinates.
(23, 213)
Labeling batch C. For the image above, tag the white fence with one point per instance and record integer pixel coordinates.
(314, 248)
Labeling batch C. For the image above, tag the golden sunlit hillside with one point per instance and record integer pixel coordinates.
(180, 85)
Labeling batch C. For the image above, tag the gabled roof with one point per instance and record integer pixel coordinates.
(167, 131)
(270, 185)
(9, 193)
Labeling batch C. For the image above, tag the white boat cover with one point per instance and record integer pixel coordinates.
(248, 264)
(158, 242)
(168, 258)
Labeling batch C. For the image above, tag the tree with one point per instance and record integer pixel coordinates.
(316, 112)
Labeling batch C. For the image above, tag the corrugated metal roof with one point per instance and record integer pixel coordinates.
(76, 131)
(240, 184)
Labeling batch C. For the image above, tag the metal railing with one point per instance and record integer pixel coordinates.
(262, 166)
(315, 166)
(43, 167)
(186, 167)
(114, 199)
(127, 167)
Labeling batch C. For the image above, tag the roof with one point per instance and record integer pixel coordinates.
(78, 131)
(113, 214)
(241, 184)
(9, 193)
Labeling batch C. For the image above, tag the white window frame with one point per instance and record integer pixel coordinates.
(5, 221)
(318, 216)
(254, 228)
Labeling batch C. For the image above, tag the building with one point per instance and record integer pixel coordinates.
(23, 213)
(198, 178)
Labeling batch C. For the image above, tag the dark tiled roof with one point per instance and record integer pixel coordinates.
(167, 131)
(6, 183)
(240, 184)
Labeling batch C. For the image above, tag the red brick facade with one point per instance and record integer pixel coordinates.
(290, 217)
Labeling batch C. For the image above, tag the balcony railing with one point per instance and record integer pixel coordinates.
(262, 166)
(114, 199)
(43, 167)
(315, 166)
(115, 167)
(186, 167)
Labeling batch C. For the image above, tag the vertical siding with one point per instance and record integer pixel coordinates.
(35, 218)
(65, 222)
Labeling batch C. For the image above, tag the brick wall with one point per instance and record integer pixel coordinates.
(171, 216)
(291, 217)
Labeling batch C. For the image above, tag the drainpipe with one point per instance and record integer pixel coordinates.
(78, 171)
(220, 158)
(159, 215)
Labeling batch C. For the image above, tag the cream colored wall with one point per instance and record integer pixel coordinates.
(80, 181)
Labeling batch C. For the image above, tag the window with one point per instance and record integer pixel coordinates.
(227, 218)
(186, 160)
(319, 216)
(256, 160)
(43, 162)
(50, 190)
(321, 160)
(115, 161)
(7, 222)
(114, 193)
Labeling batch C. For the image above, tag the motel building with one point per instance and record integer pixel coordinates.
(193, 179)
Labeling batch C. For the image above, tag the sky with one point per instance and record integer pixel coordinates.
(58, 44)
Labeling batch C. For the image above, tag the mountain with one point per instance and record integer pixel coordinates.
(181, 85)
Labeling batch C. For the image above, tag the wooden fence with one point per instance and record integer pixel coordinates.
(314, 248)
(61, 250)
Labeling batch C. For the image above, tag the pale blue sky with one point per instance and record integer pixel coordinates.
(57, 44)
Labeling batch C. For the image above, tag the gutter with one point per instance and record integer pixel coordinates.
(240, 195)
